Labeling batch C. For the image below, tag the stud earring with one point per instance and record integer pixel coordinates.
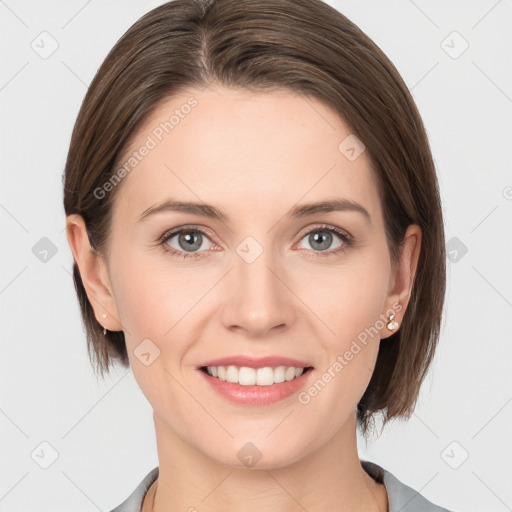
(104, 315)
(392, 323)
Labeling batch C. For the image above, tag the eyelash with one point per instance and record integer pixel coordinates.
(343, 235)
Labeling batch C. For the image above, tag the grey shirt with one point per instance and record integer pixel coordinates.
(401, 498)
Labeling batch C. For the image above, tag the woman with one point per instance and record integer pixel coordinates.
(255, 222)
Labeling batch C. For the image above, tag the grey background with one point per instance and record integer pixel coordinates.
(457, 447)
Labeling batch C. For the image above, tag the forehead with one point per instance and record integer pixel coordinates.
(246, 152)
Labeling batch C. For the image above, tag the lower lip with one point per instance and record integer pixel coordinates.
(257, 395)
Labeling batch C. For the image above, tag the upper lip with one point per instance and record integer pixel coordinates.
(256, 362)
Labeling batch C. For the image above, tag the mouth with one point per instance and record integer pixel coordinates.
(248, 376)
(256, 381)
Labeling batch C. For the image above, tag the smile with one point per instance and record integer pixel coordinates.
(246, 376)
(248, 386)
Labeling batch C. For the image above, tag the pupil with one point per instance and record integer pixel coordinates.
(323, 238)
(192, 241)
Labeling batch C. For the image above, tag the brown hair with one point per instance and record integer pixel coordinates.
(305, 46)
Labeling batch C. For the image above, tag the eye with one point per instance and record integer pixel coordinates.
(191, 242)
(321, 239)
(185, 242)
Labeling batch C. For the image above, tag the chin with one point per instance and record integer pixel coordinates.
(264, 454)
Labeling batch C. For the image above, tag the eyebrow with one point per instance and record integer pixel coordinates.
(298, 211)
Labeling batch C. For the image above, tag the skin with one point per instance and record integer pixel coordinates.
(253, 156)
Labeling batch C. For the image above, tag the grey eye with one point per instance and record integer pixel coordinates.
(321, 239)
(189, 241)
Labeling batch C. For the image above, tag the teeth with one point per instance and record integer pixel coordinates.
(250, 376)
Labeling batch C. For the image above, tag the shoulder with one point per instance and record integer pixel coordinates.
(134, 502)
(401, 497)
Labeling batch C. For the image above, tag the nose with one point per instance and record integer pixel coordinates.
(259, 296)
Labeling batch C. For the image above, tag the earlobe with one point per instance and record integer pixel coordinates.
(92, 271)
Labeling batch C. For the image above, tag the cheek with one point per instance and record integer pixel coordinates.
(348, 298)
(152, 303)
(350, 301)
(159, 302)
(153, 295)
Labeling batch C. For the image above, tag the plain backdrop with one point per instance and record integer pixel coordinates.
(70, 442)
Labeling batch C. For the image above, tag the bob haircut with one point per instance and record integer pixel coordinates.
(309, 48)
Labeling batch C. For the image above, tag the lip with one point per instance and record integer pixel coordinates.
(257, 395)
(256, 362)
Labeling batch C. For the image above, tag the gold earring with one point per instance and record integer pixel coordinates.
(392, 323)
(104, 315)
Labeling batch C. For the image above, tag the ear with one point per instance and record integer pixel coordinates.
(402, 278)
(94, 273)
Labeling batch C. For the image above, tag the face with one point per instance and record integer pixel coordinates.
(259, 273)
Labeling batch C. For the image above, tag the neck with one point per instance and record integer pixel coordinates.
(330, 478)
